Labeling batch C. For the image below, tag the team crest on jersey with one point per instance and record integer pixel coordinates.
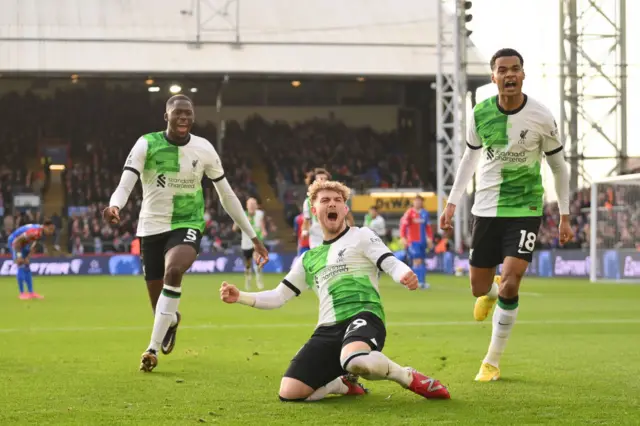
(341, 255)
(194, 163)
(523, 136)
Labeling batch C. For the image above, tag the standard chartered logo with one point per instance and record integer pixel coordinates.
(163, 181)
(507, 156)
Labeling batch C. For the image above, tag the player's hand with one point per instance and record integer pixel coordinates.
(446, 216)
(564, 230)
(229, 293)
(410, 280)
(111, 215)
(260, 253)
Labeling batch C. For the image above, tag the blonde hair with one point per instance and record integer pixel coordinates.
(329, 185)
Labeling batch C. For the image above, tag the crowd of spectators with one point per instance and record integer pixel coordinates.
(101, 136)
(618, 219)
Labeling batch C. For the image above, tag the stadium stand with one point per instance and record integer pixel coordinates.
(100, 138)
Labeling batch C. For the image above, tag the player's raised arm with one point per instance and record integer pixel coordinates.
(130, 175)
(553, 149)
(292, 285)
(231, 204)
(379, 254)
(466, 169)
(306, 214)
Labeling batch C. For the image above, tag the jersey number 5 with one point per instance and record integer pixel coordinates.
(527, 240)
(191, 236)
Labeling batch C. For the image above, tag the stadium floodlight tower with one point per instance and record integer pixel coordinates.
(593, 85)
(613, 252)
(451, 91)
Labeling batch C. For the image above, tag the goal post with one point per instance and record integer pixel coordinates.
(614, 234)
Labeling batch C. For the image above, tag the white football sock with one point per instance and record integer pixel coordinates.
(165, 313)
(493, 293)
(259, 278)
(247, 279)
(503, 321)
(335, 386)
(376, 366)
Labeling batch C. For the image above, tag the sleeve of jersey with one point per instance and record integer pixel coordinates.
(213, 166)
(551, 143)
(379, 254)
(292, 285)
(465, 172)
(232, 206)
(561, 179)
(130, 174)
(306, 209)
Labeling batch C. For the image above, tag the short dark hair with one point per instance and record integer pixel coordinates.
(176, 98)
(419, 197)
(321, 171)
(373, 208)
(504, 53)
(47, 222)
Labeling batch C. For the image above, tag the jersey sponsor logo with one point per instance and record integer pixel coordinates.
(330, 272)
(523, 136)
(163, 181)
(490, 153)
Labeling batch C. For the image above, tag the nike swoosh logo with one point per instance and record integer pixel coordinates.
(523, 252)
(499, 323)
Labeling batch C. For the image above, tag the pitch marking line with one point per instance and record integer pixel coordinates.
(309, 325)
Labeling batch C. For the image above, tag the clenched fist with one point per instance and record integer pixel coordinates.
(111, 215)
(410, 280)
(229, 293)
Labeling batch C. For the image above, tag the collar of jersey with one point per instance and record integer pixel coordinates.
(336, 238)
(166, 138)
(514, 111)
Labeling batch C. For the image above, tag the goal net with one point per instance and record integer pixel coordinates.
(614, 234)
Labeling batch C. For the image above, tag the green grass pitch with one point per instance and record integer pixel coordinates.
(573, 357)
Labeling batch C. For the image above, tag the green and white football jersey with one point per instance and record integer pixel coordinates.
(171, 178)
(256, 224)
(344, 275)
(508, 181)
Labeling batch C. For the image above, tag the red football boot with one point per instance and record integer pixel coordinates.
(428, 387)
(355, 388)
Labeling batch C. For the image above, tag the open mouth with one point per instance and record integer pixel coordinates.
(510, 84)
(332, 217)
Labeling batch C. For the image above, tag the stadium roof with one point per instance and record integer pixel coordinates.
(354, 37)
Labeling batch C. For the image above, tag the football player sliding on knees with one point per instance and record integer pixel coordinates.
(350, 334)
(170, 165)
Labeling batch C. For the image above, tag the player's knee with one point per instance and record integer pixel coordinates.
(480, 287)
(355, 363)
(293, 391)
(173, 275)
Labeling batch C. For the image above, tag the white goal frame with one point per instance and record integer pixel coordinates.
(593, 249)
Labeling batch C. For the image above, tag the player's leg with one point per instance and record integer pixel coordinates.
(248, 261)
(181, 252)
(518, 244)
(416, 251)
(28, 277)
(152, 257)
(361, 355)
(315, 371)
(484, 256)
(18, 260)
